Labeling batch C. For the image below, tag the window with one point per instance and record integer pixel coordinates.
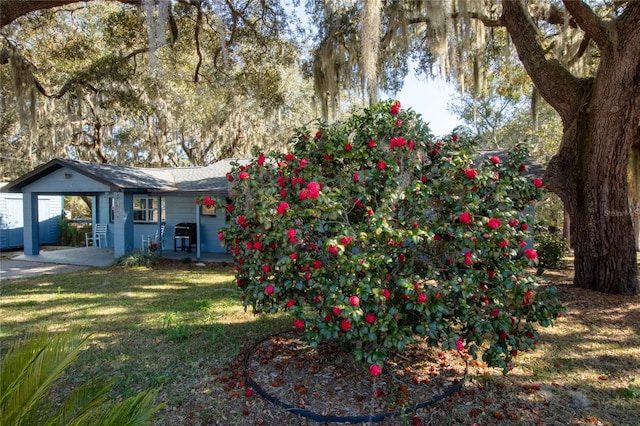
(145, 209)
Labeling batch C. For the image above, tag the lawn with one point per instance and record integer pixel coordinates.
(182, 327)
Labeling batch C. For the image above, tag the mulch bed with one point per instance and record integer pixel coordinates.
(327, 384)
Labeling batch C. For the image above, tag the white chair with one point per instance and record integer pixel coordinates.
(146, 239)
(99, 235)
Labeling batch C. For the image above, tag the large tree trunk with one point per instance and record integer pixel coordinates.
(601, 120)
(589, 173)
(591, 179)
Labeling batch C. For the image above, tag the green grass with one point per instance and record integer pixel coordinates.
(149, 326)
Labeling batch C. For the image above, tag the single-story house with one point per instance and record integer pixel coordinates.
(133, 202)
(12, 219)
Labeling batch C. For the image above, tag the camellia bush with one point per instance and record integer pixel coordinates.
(371, 233)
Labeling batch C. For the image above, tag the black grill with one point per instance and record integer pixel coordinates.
(186, 233)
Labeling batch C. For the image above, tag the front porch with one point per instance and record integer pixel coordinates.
(104, 256)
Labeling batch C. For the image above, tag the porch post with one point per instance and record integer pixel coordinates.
(198, 232)
(31, 231)
(123, 223)
(159, 230)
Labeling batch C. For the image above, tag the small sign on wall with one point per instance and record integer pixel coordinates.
(208, 210)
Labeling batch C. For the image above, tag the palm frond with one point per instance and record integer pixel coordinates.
(30, 368)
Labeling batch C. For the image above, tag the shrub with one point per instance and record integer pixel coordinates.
(134, 259)
(552, 249)
(370, 232)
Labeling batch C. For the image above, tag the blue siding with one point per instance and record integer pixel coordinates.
(12, 220)
(75, 183)
(184, 209)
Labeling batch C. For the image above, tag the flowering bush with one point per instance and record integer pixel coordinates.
(369, 232)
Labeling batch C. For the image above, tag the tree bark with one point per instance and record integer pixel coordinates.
(601, 119)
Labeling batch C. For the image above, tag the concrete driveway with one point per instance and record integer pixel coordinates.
(10, 268)
(56, 261)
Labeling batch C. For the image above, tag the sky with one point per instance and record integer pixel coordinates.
(428, 98)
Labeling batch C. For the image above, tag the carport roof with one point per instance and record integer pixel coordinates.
(211, 179)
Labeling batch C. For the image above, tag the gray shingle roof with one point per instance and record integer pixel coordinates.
(211, 179)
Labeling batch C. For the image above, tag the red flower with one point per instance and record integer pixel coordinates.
(348, 147)
(454, 138)
(398, 123)
(537, 182)
(243, 176)
(467, 258)
(281, 181)
(291, 234)
(386, 293)
(208, 201)
(317, 264)
(422, 297)
(289, 157)
(336, 311)
(531, 254)
(261, 159)
(220, 236)
(313, 189)
(375, 370)
(282, 207)
(356, 178)
(229, 177)
(397, 142)
(460, 344)
(382, 165)
(524, 226)
(298, 323)
(528, 296)
(345, 241)
(304, 162)
(491, 274)
(503, 243)
(345, 325)
(304, 194)
(465, 217)
(395, 108)
(333, 249)
(354, 301)
(470, 173)
(319, 134)
(372, 143)
(248, 392)
(370, 318)
(494, 159)
(494, 223)
(266, 268)
(290, 303)
(269, 289)
(293, 256)
(242, 221)
(513, 223)
(494, 313)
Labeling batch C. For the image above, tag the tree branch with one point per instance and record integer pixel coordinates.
(589, 22)
(548, 75)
